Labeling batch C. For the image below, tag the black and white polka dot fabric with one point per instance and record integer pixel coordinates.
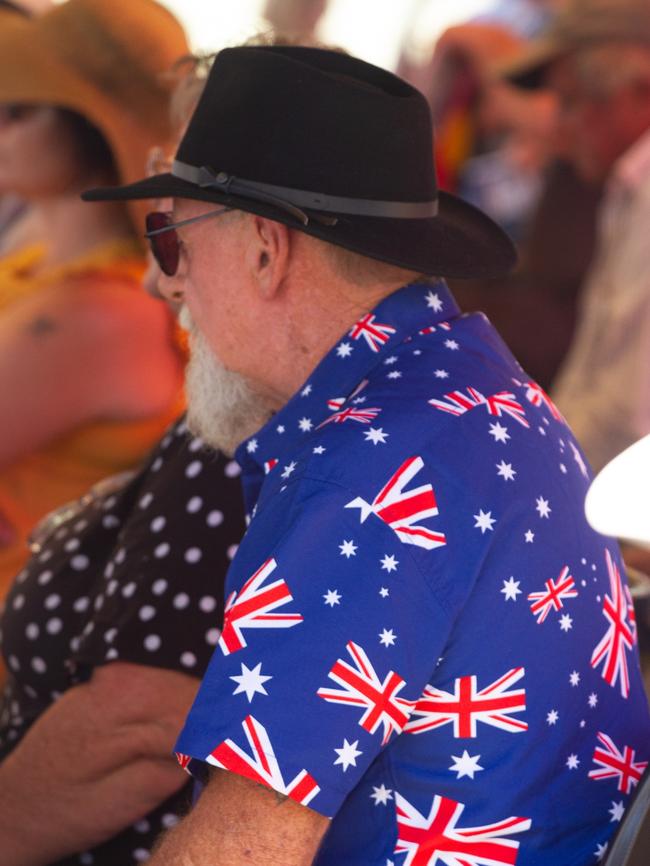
(134, 574)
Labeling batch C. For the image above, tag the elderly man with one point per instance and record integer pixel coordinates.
(596, 58)
(427, 654)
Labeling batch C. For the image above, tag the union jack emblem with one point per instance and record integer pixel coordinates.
(553, 597)
(615, 764)
(261, 764)
(335, 403)
(183, 760)
(503, 403)
(401, 509)
(361, 687)
(621, 634)
(445, 326)
(361, 416)
(374, 333)
(269, 464)
(466, 706)
(252, 606)
(437, 838)
(536, 395)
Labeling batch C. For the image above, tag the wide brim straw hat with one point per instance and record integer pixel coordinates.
(107, 60)
(334, 147)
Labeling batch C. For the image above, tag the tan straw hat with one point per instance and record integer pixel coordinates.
(107, 60)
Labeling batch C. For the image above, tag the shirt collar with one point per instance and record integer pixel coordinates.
(368, 343)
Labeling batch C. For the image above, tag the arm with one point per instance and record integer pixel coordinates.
(236, 822)
(72, 356)
(97, 760)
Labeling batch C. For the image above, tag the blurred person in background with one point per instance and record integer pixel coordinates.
(90, 373)
(596, 60)
(295, 19)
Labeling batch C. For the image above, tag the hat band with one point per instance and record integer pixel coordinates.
(286, 197)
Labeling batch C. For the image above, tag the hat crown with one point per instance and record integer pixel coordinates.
(313, 119)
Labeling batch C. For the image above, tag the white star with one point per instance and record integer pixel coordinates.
(529, 536)
(376, 435)
(600, 851)
(466, 765)
(542, 507)
(306, 391)
(563, 468)
(395, 374)
(417, 351)
(347, 754)
(572, 762)
(511, 589)
(592, 700)
(452, 344)
(582, 723)
(499, 432)
(434, 302)
(280, 428)
(305, 424)
(391, 360)
(574, 678)
(387, 638)
(252, 446)
(288, 470)
(577, 456)
(251, 681)
(542, 431)
(566, 622)
(348, 549)
(506, 471)
(552, 717)
(319, 449)
(381, 795)
(383, 592)
(617, 811)
(344, 350)
(484, 521)
(441, 374)
(332, 597)
(358, 400)
(389, 563)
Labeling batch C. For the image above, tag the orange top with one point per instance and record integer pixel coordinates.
(64, 470)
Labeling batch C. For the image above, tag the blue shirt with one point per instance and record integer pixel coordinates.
(424, 640)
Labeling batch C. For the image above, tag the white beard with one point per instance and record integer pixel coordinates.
(223, 408)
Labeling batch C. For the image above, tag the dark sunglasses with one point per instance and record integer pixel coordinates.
(11, 112)
(163, 238)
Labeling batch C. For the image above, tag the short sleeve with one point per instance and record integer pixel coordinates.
(330, 636)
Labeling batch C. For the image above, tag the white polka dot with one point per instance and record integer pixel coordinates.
(188, 660)
(157, 524)
(161, 550)
(99, 602)
(142, 826)
(181, 600)
(79, 562)
(194, 468)
(71, 545)
(110, 521)
(129, 589)
(31, 692)
(147, 612)
(86, 859)
(14, 664)
(110, 635)
(169, 820)
(196, 444)
(47, 554)
(146, 500)
(232, 470)
(88, 628)
(157, 463)
(152, 642)
(74, 644)
(193, 555)
(120, 556)
(54, 625)
(109, 571)
(52, 601)
(195, 504)
(39, 665)
(112, 586)
(232, 550)
(109, 503)
(141, 854)
(61, 533)
(159, 586)
(166, 441)
(32, 631)
(44, 577)
(207, 604)
(80, 525)
(215, 518)
(81, 604)
(112, 654)
(212, 636)
(182, 428)
(18, 602)
(22, 577)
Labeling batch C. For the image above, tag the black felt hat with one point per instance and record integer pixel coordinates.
(334, 147)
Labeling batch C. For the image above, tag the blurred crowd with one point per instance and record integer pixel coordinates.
(550, 136)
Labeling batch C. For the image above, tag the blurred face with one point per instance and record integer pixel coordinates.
(38, 153)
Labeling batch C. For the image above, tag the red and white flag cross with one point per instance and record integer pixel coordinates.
(621, 634)
(374, 333)
(252, 606)
(502, 403)
(554, 596)
(618, 765)
(261, 764)
(361, 416)
(361, 687)
(466, 706)
(437, 839)
(536, 395)
(401, 509)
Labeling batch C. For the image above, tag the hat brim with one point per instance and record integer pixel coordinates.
(460, 242)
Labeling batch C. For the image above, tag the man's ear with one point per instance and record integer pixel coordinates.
(268, 254)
